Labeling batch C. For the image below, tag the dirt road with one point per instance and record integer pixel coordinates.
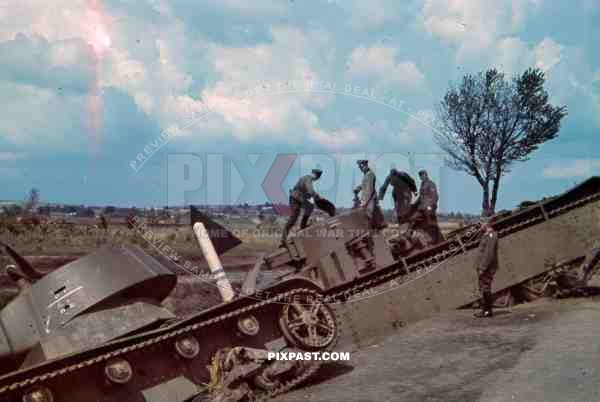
(544, 351)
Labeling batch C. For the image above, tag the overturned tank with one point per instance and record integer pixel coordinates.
(91, 301)
(95, 330)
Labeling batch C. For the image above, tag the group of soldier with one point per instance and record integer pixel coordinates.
(423, 212)
(421, 215)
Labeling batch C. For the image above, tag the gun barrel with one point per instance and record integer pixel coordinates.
(214, 263)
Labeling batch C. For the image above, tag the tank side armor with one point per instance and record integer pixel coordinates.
(97, 298)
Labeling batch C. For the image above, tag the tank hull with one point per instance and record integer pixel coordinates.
(444, 278)
(153, 356)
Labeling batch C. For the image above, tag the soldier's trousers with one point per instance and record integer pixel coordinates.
(375, 216)
(402, 210)
(486, 277)
(427, 222)
(297, 207)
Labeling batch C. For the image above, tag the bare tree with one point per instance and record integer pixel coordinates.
(487, 123)
(152, 216)
(32, 200)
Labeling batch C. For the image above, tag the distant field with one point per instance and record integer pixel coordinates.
(76, 240)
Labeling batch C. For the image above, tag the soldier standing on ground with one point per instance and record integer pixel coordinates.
(300, 197)
(587, 266)
(486, 265)
(368, 192)
(403, 189)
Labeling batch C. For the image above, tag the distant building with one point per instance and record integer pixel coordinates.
(58, 215)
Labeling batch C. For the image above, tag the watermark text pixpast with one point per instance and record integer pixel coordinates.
(318, 356)
(216, 178)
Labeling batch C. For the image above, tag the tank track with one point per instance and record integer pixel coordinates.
(291, 384)
(440, 257)
(17, 383)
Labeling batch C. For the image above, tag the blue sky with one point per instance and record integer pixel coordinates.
(86, 86)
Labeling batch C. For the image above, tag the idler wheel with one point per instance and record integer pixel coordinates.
(308, 324)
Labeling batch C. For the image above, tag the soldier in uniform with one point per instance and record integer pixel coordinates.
(403, 189)
(587, 267)
(428, 195)
(486, 265)
(424, 210)
(300, 197)
(356, 199)
(368, 195)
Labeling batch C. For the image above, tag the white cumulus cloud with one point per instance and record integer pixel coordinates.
(547, 54)
(380, 61)
(474, 26)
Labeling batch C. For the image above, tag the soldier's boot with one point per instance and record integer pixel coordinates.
(284, 235)
(489, 304)
(304, 222)
(288, 226)
(486, 306)
(283, 238)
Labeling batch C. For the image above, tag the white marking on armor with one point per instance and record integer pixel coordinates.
(77, 289)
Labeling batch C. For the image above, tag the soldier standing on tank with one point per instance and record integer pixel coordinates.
(428, 195)
(368, 192)
(356, 199)
(425, 208)
(300, 197)
(486, 265)
(403, 189)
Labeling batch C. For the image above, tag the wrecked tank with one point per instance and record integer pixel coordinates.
(64, 337)
(375, 289)
(95, 330)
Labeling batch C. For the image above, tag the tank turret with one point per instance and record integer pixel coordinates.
(103, 296)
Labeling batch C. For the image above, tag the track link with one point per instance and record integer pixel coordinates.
(19, 382)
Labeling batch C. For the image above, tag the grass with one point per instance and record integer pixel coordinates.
(69, 239)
